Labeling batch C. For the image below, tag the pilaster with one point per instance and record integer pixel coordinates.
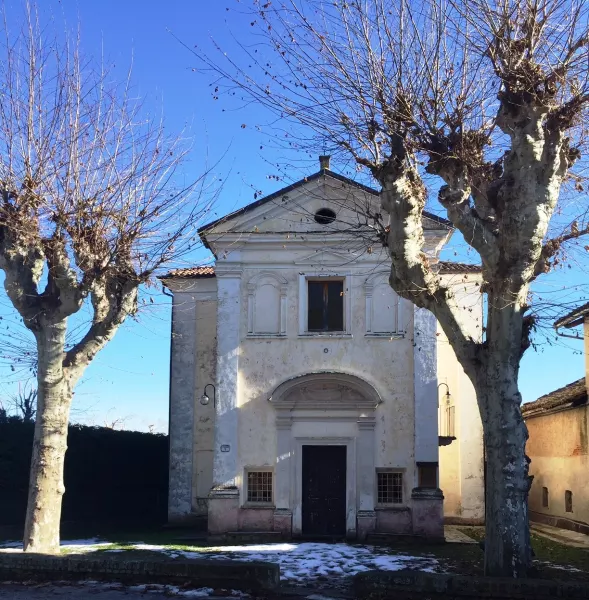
(425, 386)
(182, 389)
(365, 466)
(228, 341)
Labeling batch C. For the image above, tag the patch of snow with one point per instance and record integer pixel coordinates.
(308, 562)
(300, 563)
(559, 567)
(172, 590)
(87, 542)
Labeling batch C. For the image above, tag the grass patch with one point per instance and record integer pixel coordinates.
(548, 551)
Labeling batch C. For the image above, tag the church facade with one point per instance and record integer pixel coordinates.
(306, 397)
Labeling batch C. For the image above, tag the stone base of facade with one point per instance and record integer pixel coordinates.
(428, 512)
(394, 520)
(223, 511)
(424, 518)
(283, 522)
(365, 524)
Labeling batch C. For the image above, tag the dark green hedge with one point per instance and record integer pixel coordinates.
(111, 476)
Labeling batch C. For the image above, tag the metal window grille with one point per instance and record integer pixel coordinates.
(390, 488)
(259, 486)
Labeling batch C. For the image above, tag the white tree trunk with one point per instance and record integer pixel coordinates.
(46, 485)
(507, 538)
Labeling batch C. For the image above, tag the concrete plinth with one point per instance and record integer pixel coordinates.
(428, 512)
(365, 524)
(223, 510)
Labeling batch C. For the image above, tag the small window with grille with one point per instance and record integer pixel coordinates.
(259, 487)
(545, 497)
(389, 487)
(568, 501)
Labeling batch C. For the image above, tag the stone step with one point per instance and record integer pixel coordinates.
(252, 537)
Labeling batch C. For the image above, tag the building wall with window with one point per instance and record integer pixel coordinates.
(558, 447)
(324, 417)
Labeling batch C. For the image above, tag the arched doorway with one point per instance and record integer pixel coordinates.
(325, 472)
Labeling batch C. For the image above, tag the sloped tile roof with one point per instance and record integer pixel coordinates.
(573, 318)
(446, 267)
(573, 394)
(191, 272)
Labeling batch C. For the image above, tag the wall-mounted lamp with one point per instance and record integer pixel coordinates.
(204, 399)
(448, 396)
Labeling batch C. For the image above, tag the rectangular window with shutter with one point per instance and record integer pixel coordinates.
(325, 309)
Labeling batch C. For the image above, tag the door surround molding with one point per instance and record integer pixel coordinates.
(331, 397)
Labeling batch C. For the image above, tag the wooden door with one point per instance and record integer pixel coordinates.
(324, 490)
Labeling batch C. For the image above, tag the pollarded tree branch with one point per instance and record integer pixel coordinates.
(412, 277)
(23, 268)
(113, 298)
(63, 289)
(552, 247)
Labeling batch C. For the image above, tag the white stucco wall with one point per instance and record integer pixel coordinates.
(462, 461)
(385, 363)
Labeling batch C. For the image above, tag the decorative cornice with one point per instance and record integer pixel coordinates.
(326, 390)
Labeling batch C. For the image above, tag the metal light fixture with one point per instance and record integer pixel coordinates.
(448, 396)
(204, 399)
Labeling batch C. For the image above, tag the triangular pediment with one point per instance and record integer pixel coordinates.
(293, 209)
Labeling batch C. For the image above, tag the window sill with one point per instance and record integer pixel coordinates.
(259, 505)
(266, 336)
(386, 336)
(392, 507)
(325, 334)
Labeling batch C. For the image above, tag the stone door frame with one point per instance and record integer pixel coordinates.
(307, 398)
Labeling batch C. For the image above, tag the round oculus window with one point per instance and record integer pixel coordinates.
(324, 216)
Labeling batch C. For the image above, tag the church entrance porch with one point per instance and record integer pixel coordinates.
(324, 491)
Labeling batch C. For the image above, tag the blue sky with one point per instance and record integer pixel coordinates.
(129, 379)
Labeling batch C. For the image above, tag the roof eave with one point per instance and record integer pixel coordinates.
(202, 231)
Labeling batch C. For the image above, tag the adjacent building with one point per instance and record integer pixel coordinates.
(558, 425)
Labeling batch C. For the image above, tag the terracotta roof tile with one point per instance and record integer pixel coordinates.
(446, 267)
(572, 394)
(191, 272)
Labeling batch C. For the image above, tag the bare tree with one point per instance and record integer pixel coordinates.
(482, 102)
(89, 211)
(24, 402)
